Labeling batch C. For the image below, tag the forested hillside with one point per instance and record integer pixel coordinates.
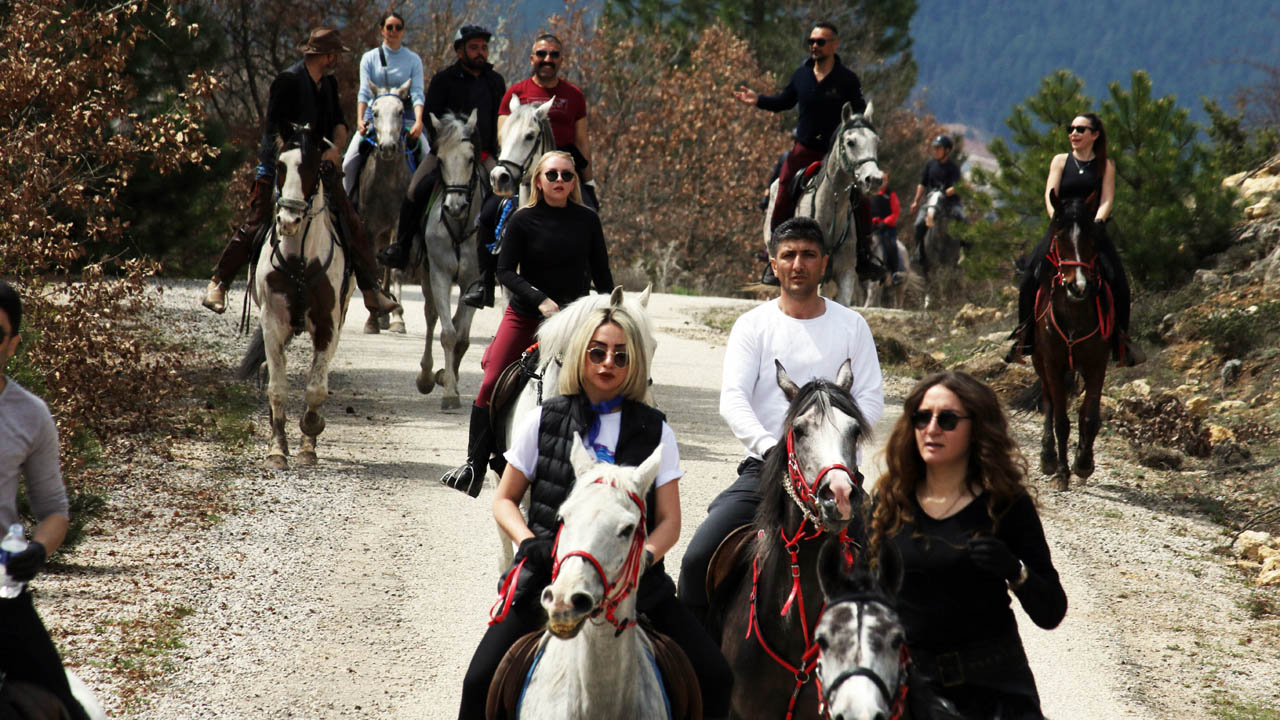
(977, 58)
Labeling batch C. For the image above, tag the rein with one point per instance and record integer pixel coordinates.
(1106, 321)
(460, 235)
(802, 494)
(896, 699)
(628, 578)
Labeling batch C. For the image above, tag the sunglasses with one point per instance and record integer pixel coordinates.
(598, 354)
(947, 419)
(557, 175)
(820, 42)
(394, 27)
(1081, 129)
(553, 54)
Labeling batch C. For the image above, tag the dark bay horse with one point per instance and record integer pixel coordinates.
(810, 491)
(1074, 320)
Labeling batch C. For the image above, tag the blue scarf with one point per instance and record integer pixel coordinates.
(603, 454)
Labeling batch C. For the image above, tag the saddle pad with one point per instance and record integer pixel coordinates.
(726, 559)
(683, 693)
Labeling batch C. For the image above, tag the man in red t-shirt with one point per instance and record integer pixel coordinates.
(569, 111)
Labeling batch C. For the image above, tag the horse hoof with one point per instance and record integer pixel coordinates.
(307, 458)
(1062, 481)
(440, 377)
(276, 462)
(397, 327)
(312, 423)
(426, 383)
(450, 403)
(1082, 470)
(1048, 466)
(371, 327)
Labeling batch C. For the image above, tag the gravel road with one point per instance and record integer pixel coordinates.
(359, 588)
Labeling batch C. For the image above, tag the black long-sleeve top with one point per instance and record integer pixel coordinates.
(296, 99)
(456, 90)
(551, 252)
(946, 602)
(820, 102)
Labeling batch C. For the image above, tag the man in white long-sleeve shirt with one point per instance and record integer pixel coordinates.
(811, 336)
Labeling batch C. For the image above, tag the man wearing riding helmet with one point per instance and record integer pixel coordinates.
(940, 173)
(469, 84)
(387, 66)
(306, 94)
(29, 452)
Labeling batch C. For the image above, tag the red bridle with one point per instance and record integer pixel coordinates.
(628, 575)
(1106, 321)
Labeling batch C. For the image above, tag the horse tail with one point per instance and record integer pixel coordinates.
(1028, 401)
(254, 357)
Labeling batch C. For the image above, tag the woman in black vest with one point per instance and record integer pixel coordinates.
(953, 505)
(604, 384)
(1084, 171)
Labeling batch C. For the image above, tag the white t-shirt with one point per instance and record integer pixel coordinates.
(523, 453)
(750, 400)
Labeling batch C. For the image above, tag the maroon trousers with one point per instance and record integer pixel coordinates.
(515, 334)
(798, 159)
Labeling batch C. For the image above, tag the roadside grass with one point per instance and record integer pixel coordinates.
(1228, 707)
(720, 319)
(140, 648)
(228, 412)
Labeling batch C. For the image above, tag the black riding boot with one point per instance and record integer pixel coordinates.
(479, 294)
(1023, 336)
(469, 478)
(917, 252)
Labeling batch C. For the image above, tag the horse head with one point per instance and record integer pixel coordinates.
(862, 658)
(600, 547)
(933, 210)
(1074, 250)
(457, 154)
(388, 118)
(297, 183)
(821, 432)
(525, 135)
(858, 145)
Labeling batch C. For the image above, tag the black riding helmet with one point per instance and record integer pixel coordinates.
(942, 141)
(467, 32)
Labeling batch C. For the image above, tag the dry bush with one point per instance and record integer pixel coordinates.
(71, 143)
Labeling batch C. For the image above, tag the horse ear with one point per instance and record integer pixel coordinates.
(471, 122)
(580, 457)
(647, 471)
(866, 114)
(1055, 202)
(832, 572)
(403, 90)
(644, 296)
(514, 104)
(1091, 202)
(847, 113)
(544, 109)
(373, 88)
(844, 376)
(615, 297)
(889, 570)
(435, 122)
(789, 387)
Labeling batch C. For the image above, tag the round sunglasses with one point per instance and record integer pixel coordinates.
(947, 419)
(597, 355)
(394, 27)
(558, 175)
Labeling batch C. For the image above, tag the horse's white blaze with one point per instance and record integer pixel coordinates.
(849, 646)
(824, 445)
(288, 220)
(388, 117)
(1081, 281)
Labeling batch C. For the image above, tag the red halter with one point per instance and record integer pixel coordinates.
(628, 575)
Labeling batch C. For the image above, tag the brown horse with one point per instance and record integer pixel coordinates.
(810, 491)
(1074, 320)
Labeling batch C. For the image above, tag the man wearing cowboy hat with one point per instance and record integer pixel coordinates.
(469, 84)
(304, 94)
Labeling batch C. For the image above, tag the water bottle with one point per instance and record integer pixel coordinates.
(14, 542)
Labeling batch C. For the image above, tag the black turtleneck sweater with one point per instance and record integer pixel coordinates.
(551, 252)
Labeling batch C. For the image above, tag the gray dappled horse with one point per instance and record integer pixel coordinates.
(383, 182)
(448, 254)
(526, 135)
(21, 700)
(848, 170)
(302, 285)
(941, 250)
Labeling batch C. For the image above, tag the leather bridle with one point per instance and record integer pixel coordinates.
(896, 699)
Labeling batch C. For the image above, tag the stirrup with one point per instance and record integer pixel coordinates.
(474, 295)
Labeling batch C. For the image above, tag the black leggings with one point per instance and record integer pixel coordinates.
(662, 609)
(29, 653)
(1112, 269)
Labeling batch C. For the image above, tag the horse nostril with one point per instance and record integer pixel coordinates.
(582, 603)
(548, 597)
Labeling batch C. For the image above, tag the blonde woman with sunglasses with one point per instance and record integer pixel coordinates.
(953, 505)
(553, 253)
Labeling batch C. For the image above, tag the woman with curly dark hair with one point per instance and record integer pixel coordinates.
(954, 505)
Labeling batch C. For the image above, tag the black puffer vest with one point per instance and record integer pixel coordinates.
(639, 434)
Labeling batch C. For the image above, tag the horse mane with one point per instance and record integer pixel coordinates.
(452, 131)
(776, 505)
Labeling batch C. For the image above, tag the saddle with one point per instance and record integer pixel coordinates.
(801, 180)
(510, 384)
(678, 679)
(728, 559)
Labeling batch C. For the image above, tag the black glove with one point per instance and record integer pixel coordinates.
(647, 562)
(537, 551)
(24, 565)
(994, 556)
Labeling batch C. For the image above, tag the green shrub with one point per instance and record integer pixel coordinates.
(1235, 332)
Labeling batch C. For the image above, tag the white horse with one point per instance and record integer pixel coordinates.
(382, 184)
(875, 289)
(526, 135)
(553, 337)
(593, 667)
(849, 168)
(449, 255)
(301, 284)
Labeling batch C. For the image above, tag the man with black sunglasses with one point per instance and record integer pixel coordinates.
(819, 88)
(811, 336)
(469, 84)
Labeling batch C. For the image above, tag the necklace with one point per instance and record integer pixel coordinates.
(1080, 166)
(946, 512)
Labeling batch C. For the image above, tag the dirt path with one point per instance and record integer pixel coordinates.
(359, 588)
